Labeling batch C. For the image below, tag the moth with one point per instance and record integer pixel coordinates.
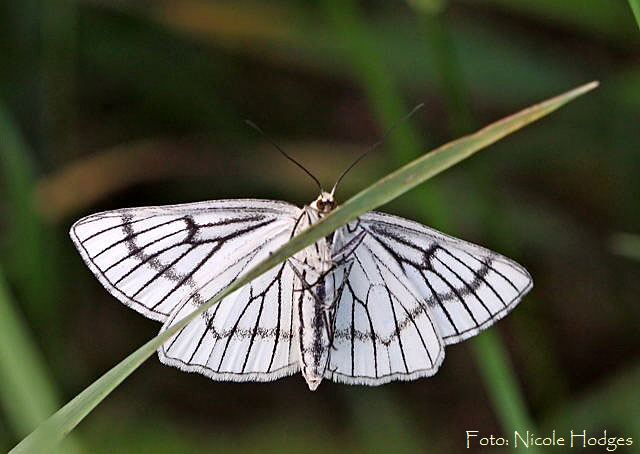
(375, 301)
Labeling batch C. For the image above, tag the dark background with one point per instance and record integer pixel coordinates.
(110, 104)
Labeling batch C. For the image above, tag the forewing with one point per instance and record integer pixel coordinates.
(249, 335)
(152, 258)
(466, 287)
(383, 328)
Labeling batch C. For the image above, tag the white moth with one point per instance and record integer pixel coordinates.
(373, 302)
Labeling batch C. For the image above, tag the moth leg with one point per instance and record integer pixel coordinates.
(330, 329)
(304, 266)
(348, 248)
(305, 285)
(331, 307)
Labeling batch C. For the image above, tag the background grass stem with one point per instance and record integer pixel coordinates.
(635, 8)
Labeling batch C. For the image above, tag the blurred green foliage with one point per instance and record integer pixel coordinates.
(84, 83)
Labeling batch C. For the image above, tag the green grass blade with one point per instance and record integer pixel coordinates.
(626, 245)
(27, 394)
(29, 251)
(16, 169)
(381, 192)
(499, 377)
(429, 165)
(382, 424)
(374, 74)
(363, 56)
(635, 7)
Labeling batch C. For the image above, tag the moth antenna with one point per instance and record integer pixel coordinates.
(277, 147)
(376, 145)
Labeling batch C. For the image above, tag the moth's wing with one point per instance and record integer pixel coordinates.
(466, 287)
(249, 335)
(383, 329)
(152, 258)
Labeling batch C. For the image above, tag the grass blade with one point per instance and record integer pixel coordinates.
(381, 192)
(499, 377)
(26, 392)
(29, 253)
(635, 7)
(626, 245)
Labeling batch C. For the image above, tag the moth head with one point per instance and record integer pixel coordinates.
(324, 203)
